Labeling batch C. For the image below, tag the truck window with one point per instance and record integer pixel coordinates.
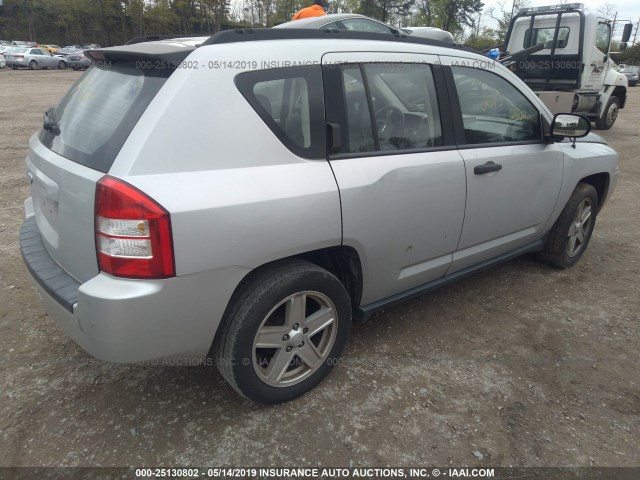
(603, 37)
(545, 36)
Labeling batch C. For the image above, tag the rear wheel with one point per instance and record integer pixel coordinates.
(609, 114)
(33, 65)
(283, 332)
(572, 231)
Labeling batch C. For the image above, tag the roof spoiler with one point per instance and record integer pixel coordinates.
(152, 38)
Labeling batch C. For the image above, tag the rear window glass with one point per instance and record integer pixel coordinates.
(545, 36)
(97, 114)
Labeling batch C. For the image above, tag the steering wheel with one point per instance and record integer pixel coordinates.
(390, 122)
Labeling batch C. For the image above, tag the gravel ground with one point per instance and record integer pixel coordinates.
(524, 364)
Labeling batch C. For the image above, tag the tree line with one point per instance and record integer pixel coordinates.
(114, 22)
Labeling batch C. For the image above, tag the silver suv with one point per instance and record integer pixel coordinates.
(243, 197)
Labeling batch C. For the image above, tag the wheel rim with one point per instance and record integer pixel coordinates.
(612, 114)
(580, 227)
(33, 65)
(294, 339)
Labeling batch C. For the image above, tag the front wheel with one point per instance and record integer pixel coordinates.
(283, 331)
(609, 115)
(62, 65)
(572, 231)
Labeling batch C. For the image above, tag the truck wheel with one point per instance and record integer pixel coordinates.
(570, 234)
(609, 115)
(283, 331)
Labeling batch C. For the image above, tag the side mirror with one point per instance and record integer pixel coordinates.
(570, 125)
(626, 33)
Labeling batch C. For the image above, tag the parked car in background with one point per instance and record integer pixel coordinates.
(33, 58)
(432, 33)
(20, 43)
(69, 50)
(5, 43)
(341, 21)
(632, 75)
(3, 62)
(50, 48)
(360, 23)
(77, 61)
(90, 46)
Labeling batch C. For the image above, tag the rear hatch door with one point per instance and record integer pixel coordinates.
(79, 142)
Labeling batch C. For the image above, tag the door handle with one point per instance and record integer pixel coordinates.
(486, 168)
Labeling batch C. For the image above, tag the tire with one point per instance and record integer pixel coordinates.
(568, 238)
(267, 304)
(33, 65)
(609, 115)
(62, 65)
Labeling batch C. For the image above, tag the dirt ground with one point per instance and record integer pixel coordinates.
(525, 364)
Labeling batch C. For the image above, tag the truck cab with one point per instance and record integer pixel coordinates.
(573, 71)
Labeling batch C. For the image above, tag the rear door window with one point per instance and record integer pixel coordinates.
(545, 36)
(390, 107)
(97, 114)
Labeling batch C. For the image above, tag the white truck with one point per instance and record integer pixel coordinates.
(572, 70)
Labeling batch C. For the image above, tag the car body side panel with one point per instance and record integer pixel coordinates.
(247, 217)
(403, 214)
(508, 208)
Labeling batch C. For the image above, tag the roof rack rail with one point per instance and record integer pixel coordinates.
(260, 34)
(153, 38)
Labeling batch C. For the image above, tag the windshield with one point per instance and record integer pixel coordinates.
(97, 114)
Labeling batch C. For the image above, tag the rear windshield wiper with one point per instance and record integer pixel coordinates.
(49, 122)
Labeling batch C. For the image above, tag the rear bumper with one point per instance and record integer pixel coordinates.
(128, 321)
(18, 63)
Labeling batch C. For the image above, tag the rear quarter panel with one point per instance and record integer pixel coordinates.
(236, 195)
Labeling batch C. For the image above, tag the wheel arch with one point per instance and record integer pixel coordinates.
(599, 181)
(621, 93)
(341, 261)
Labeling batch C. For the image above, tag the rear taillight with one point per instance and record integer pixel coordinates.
(133, 232)
(19, 56)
